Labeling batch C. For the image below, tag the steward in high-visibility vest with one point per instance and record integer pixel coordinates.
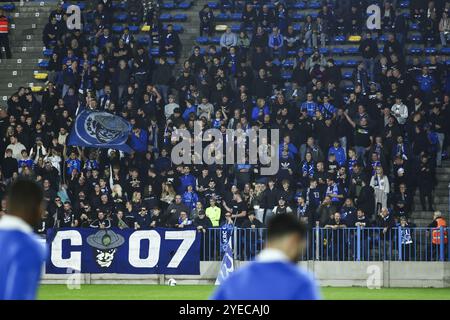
(4, 35)
(4, 25)
(437, 223)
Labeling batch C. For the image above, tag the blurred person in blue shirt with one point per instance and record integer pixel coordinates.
(274, 275)
(22, 254)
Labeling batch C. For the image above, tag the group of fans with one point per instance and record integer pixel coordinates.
(347, 157)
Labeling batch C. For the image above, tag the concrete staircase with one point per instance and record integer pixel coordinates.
(440, 195)
(28, 22)
(191, 28)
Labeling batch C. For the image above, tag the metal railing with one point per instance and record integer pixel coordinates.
(345, 244)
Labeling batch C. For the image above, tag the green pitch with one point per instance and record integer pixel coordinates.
(202, 292)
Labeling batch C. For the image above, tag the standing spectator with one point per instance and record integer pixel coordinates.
(4, 35)
(206, 16)
(444, 28)
(369, 51)
(380, 183)
(426, 183)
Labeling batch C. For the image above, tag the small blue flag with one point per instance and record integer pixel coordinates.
(227, 266)
(100, 130)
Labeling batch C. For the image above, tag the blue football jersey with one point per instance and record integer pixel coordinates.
(269, 279)
(22, 260)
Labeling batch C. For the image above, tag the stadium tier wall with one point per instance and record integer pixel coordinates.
(336, 274)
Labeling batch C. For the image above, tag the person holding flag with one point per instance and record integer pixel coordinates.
(274, 275)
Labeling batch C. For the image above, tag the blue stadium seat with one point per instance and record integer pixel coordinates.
(339, 63)
(236, 16)
(121, 17)
(291, 52)
(43, 64)
(349, 88)
(339, 39)
(351, 63)
(314, 5)
(144, 40)
(213, 5)
(381, 50)
(165, 17)
(430, 50)
(447, 62)
(286, 75)
(202, 40)
(168, 5)
(215, 40)
(79, 4)
(337, 51)
(352, 51)
(119, 5)
(406, 15)
(298, 17)
(414, 50)
(314, 15)
(348, 75)
(9, 7)
(324, 51)
(222, 17)
(297, 27)
(117, 29)
(276, 62)
(176, 27)
(383, 38)
(235, 28)
(48, 52)
(445, 51)
(414, 26)
(299, 6)
(404, 4)
(133, 28)
(416, 38)
(309, 51)
(184, 5)
(288, 64)
(154, 51)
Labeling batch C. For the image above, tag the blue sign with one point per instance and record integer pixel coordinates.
(155, 251)
(100, 130)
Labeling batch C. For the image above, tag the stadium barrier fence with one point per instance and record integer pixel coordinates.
(343, 244)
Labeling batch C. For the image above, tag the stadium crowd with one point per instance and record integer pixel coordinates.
(347, 157)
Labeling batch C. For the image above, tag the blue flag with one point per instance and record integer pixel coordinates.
(100, 130)
(227, 266)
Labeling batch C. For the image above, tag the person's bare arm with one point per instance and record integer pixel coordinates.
(352, 123)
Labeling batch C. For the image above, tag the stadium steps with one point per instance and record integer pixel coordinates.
(27, 24)
(440, 197)
(190, 26)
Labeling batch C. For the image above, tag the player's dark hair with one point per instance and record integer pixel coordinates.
(282, 225)
(24, 197)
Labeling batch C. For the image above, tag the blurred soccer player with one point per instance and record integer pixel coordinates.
(274, 275)
(22, 256)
